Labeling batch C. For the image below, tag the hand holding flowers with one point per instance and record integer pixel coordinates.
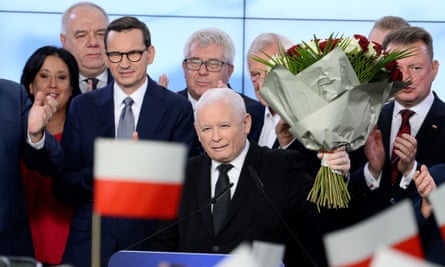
(331, 92)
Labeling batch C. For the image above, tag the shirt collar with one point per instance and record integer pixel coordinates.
(137, 95)
(420, 109)
(193, 101)
(103, 77)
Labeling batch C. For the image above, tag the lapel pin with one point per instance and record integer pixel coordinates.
(434, 126)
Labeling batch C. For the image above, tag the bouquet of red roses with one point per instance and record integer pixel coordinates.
(330, 92)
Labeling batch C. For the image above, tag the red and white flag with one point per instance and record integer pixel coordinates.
(138, 179)
(355, 246)
(437, 199)
(388, 257)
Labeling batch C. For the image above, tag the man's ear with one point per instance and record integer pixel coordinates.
(247, 123)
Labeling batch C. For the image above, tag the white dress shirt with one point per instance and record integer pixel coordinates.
(233, 173)
(102, 81)
(268, 135)
(415, 121)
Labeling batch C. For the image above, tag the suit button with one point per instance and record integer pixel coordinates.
(215, 248)
(392, 200)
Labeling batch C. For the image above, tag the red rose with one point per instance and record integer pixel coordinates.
(293, 51)
(327, 45)
(362, 41)
(377, 48)
(395, 73)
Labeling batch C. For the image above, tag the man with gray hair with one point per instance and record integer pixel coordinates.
(82, 34)
(214, 49)
(265, 45)
(260, 192)
(208, 63)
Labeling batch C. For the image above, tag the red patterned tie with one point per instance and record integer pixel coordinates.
(404, 128)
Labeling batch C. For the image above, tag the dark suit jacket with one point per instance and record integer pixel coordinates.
(430, 151)
(430, 145)
(253, 107)
(164, 116)
(250, 217)
(15, 237)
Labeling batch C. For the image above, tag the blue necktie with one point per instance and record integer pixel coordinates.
(125, 127)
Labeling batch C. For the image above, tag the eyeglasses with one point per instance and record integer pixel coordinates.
(132, 56)
(212, 65)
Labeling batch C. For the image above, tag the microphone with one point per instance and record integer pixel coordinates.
(259, 184)
(212, 201)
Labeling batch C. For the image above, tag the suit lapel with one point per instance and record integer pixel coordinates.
(432, 123)
(431, 127)
(152, 111)
(104, 112)
(203, 192)
(245, 182)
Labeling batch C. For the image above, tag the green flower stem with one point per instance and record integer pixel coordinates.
(329, 190)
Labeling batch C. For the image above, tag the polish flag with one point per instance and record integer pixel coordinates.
(437, 199)
(138, 179)
(355, 246)
(388, 257)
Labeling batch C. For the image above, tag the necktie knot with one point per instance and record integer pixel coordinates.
(94, 82)
(224, 168)
(128, 101)
(406, 114)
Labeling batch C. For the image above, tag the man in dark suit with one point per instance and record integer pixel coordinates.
(377, 185)
(263, 180)
(208, 63)
(158, 115)
(23, 138)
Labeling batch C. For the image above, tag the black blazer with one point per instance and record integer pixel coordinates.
(250, 217)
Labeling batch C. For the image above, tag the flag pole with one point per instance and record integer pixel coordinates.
(95, 241)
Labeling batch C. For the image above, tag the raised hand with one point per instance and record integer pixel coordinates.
(425, 184)
(283, 134)
(163, 80)
(39, 115)
(375, 152)
(405, 148)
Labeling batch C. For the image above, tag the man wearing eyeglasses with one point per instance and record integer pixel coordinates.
(134, 106)
(208, 63)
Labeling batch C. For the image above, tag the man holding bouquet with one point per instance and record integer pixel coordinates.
(409, 133)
